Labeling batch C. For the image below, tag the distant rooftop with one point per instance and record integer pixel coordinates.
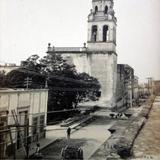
(8, 65)
(10, 90)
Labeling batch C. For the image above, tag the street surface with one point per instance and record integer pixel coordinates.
(89, 138)
(148, 142)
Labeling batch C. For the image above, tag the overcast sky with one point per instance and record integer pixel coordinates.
(26, 26)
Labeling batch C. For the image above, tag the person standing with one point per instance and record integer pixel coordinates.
(68, 133)
(37, 148)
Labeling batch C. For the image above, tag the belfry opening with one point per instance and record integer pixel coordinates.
(94, 33)
(96, 9)
(105, 33)
(106, 10)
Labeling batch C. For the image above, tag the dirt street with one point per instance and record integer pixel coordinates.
(89, 138)
(148, 141)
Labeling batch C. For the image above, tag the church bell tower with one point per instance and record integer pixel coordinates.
(102, 26)
(101, 48)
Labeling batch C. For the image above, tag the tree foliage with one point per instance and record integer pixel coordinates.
(66, 86)
(2, 79)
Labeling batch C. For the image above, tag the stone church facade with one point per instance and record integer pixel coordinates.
(98, 58)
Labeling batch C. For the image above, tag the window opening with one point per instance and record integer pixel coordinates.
(106, 10)
(96, 9)
(94, 33)
(105, 33)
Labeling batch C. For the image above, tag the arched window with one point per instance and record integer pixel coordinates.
(94, 33)
(96, 9)
(105, 33)
(106, 10)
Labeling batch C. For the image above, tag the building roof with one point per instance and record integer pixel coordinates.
(10, 90)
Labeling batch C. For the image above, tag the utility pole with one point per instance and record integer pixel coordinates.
(46, 83)
(27, 139)
(132, 87)
(131, 94)
(3, 133)
(27, 82)
(12, 143)
(15, 117)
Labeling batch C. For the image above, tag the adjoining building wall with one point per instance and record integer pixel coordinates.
(126, 85)
(29, 105)
(121, 90)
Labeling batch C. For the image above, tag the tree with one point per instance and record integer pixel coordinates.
(2, 79)
(17, 78)
(32, 63)
(66, 87)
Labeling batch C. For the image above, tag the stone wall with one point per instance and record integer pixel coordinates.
(101, 65)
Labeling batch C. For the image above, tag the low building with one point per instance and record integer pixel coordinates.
(156, 87)
(143, 90)
(29, 109)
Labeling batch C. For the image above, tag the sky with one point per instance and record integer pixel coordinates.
(27, 26)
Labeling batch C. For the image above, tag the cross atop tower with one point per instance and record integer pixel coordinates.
(102, 26)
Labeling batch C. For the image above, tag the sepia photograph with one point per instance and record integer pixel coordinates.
(80, 79)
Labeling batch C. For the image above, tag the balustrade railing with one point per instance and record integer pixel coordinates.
(67, 49)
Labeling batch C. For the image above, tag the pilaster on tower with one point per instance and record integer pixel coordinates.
(102, 26)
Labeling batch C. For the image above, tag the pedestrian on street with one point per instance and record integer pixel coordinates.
(37, 153)
(68, 133)
(37, 148)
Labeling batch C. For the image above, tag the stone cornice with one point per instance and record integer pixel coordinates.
(103, 42)
(103, 20)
